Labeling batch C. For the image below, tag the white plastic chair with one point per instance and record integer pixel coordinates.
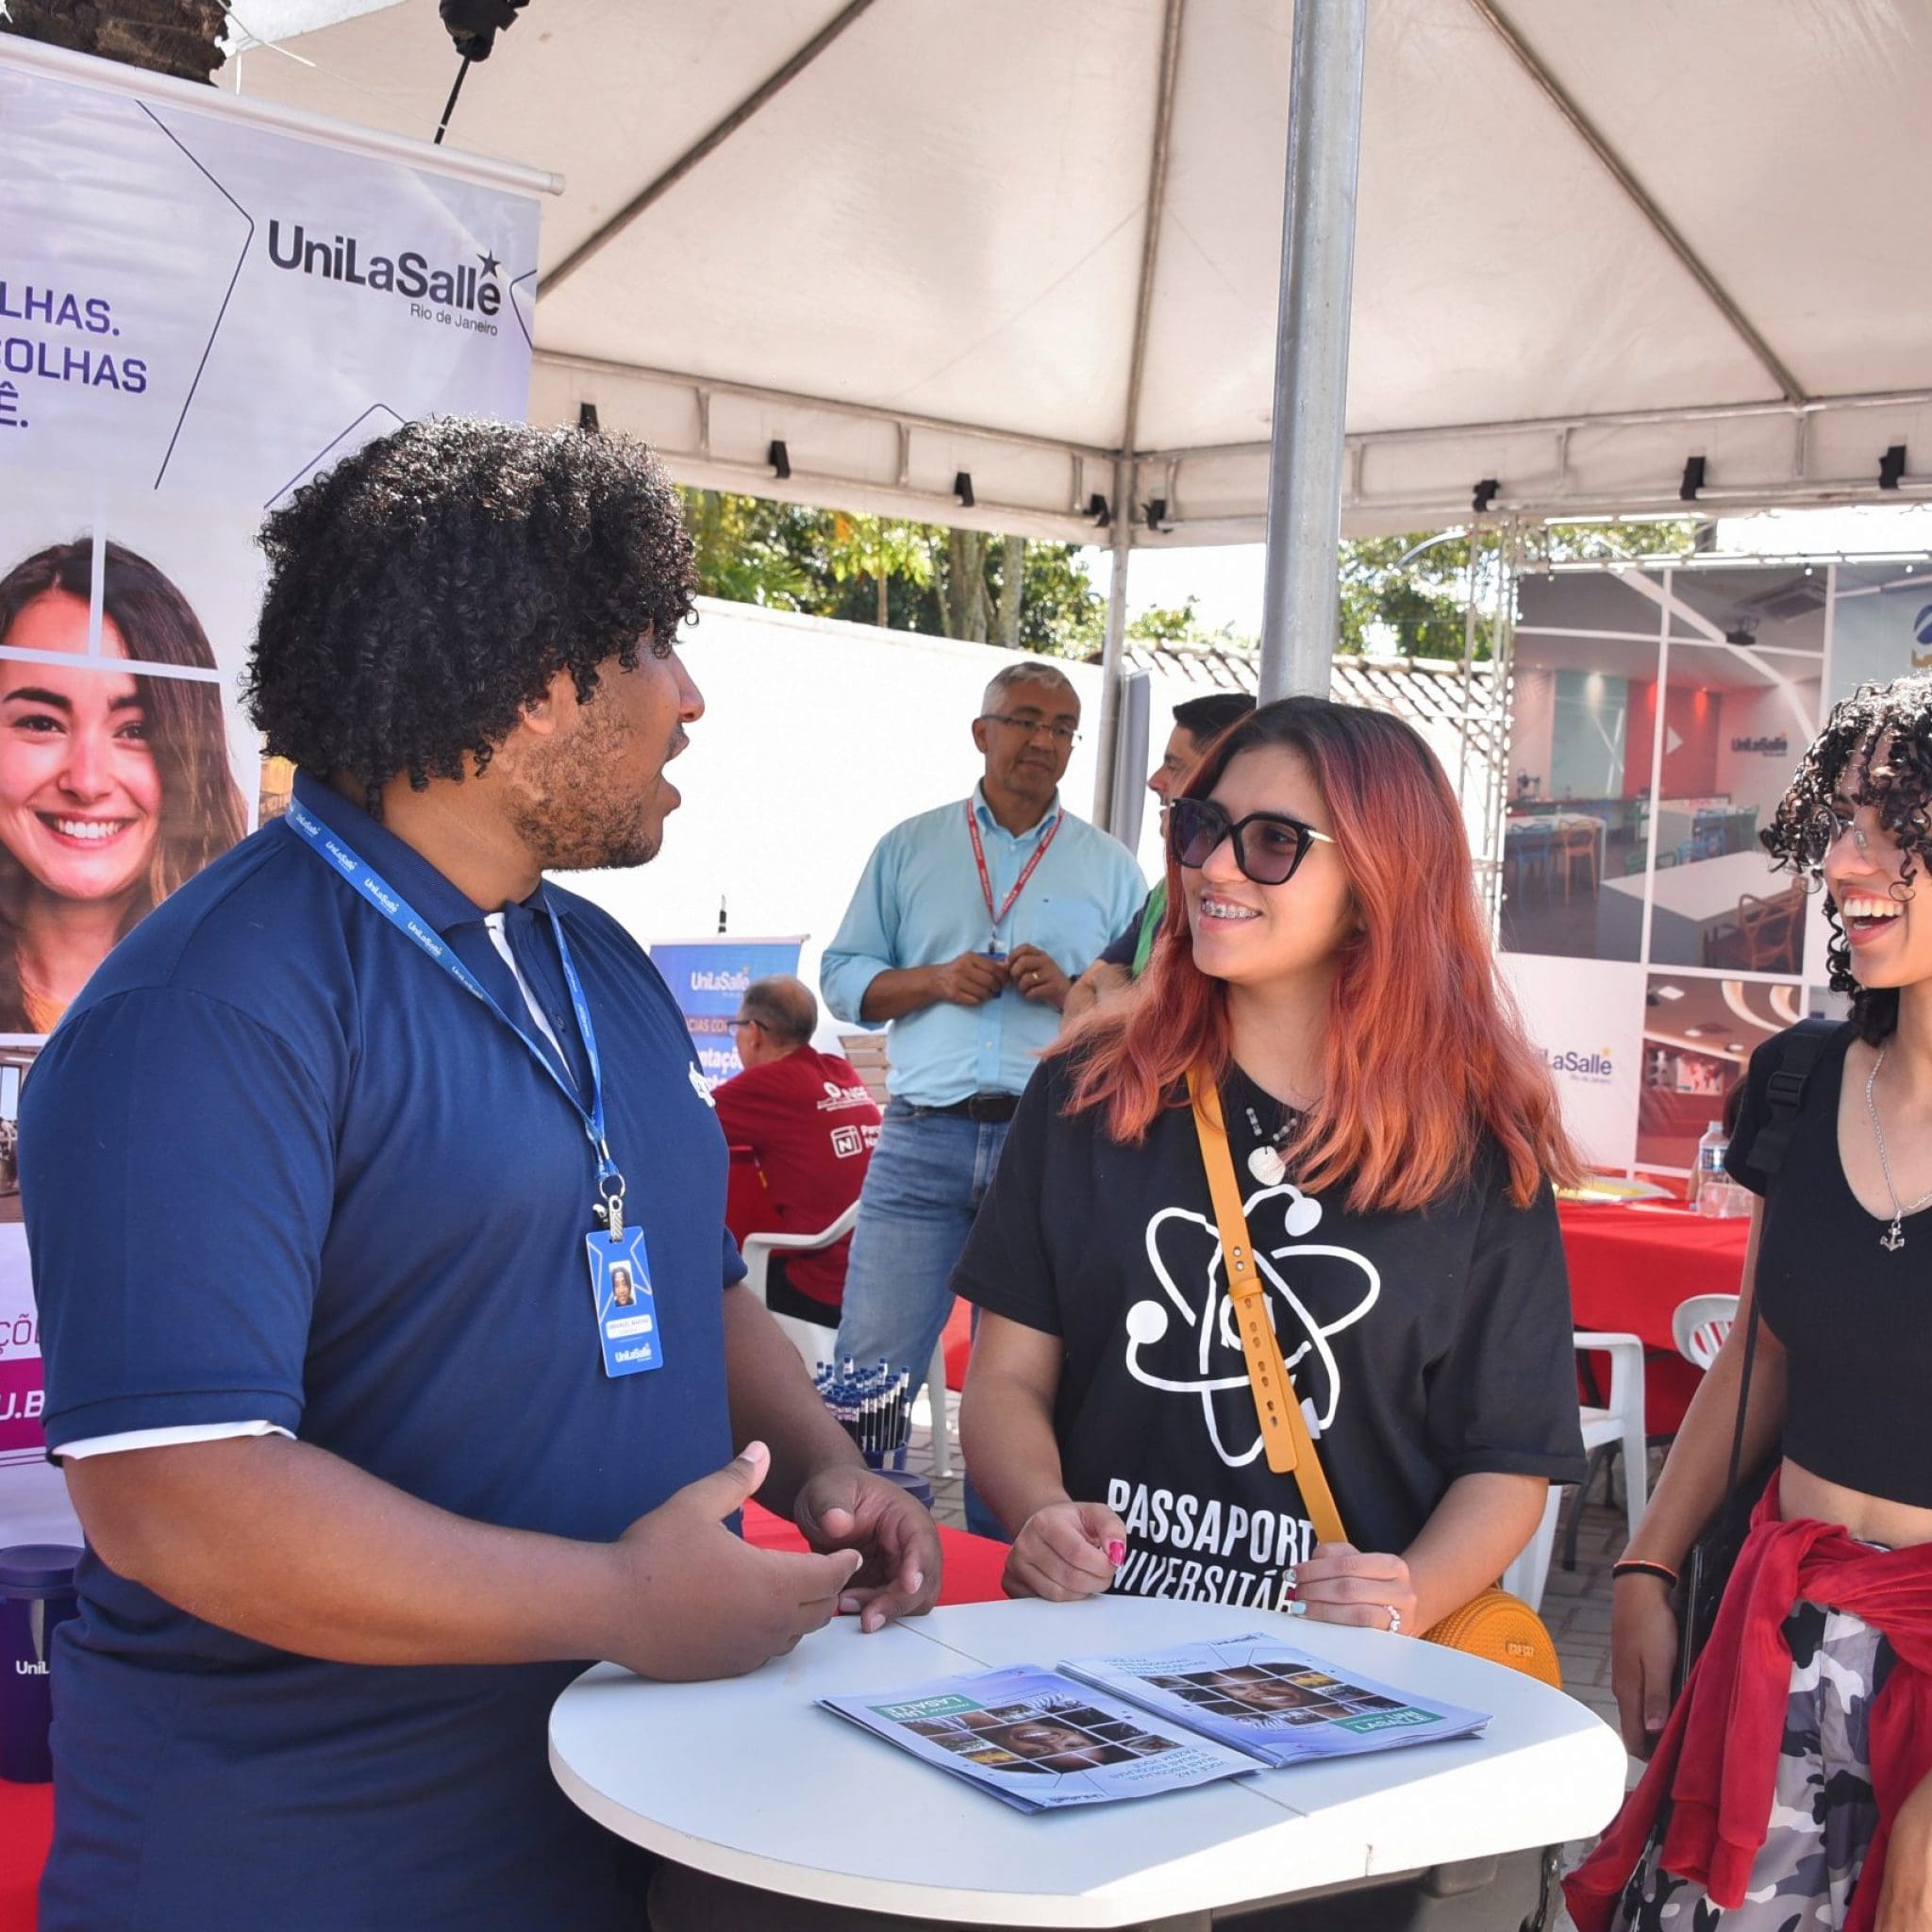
(1617, 1427)
(815, 1343)
(1526, 1576)
(819, 1345)
(1700, 1324)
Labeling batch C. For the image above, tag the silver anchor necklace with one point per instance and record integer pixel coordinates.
(1893, 1238)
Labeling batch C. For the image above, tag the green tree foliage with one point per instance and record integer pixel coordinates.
(947, 583)
(1409, 593)
(878, 549)
(1404, 593)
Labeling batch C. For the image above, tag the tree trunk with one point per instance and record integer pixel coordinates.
(174, 37)
(884, 583)
(967, 608)
(1013, 590)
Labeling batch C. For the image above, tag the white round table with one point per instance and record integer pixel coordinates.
(746, 1779)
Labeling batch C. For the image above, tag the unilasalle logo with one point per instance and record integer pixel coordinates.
(1186, 1345)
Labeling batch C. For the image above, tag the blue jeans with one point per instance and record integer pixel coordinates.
(928, 1175)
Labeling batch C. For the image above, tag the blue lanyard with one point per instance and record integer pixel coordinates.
(344, 858)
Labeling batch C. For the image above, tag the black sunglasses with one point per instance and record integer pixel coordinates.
(1268, 846)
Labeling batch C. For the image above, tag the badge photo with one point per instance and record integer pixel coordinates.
(625, 1306)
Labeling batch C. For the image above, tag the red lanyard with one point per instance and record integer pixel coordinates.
(1026, 871)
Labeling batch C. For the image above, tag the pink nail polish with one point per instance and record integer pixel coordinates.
(1116, 1553)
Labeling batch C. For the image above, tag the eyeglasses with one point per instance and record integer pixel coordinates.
(1823, 827)
(741, 1020)
(1268, 846)
(1060, 734)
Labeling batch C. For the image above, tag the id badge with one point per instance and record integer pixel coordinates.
(626, 1308)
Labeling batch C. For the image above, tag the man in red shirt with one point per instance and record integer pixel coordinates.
(810, 1125)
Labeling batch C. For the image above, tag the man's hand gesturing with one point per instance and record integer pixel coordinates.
(695, 1601)
(899, 1548)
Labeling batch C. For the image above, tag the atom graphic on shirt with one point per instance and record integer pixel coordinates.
(1199, 1355)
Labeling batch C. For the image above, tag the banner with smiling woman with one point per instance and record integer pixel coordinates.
(203, 302)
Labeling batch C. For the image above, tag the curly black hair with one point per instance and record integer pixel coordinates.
(428, 587)
(1885, 731)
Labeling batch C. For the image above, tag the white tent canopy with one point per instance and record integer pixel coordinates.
(1593, 243)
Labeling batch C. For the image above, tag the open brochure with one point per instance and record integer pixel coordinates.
(1256, 1695)
(1040, 1740)
(1109, 1728)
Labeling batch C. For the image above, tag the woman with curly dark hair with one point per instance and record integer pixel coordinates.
(1792, 1782)
(114, 787)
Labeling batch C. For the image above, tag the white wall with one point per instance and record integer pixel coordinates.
(1750, 777)
(1532, 730)
(817, 737)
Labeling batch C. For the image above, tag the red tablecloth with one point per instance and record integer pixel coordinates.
(973, 1563)
(1629, 1268)
(27, 1829)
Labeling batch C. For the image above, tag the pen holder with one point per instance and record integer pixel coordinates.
(911, 1482)
(886, 1461)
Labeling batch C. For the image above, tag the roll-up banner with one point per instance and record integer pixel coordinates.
(203, 302)
(708, 978)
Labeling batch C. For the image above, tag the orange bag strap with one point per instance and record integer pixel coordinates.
(1285, 1438)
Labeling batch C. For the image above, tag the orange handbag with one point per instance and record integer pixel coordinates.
(1494, 1623)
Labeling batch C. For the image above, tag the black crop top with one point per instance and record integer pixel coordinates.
(1855, 1321)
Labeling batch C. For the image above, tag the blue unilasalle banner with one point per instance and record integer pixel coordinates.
(708, 978)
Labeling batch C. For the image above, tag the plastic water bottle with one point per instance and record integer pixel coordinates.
(1708, 1177)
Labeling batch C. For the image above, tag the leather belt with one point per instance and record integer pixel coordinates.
(978, 1107)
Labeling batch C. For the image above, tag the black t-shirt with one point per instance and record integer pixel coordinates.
(1855, 1319)
(1424, 1346)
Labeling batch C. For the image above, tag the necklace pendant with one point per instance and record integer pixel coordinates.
(1893, 1239)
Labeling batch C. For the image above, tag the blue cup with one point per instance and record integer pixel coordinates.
(911, 1482)
(36, 1597)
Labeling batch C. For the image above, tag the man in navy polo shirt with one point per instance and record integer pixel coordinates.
(332, 1178)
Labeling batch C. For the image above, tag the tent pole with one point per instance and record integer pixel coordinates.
(1324, 118)
(1112, 651)
(1113, 647)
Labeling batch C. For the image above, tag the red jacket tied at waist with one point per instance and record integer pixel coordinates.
(1717, 1759)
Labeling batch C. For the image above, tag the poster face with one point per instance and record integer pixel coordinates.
(199, 312)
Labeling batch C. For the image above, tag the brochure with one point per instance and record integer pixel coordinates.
(1102, 1728)
(1040, 1740)
(1259, 1696)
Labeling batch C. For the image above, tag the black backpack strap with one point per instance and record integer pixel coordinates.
(1784, 1093)
(1785, 1096)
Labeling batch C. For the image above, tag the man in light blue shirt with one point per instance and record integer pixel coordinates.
(965, 935)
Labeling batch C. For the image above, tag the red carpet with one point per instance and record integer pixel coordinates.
(26, 1827)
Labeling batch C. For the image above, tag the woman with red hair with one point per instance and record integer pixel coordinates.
(1325, 965)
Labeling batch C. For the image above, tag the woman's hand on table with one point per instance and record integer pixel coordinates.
(850, 1508)
(1066, 1551)
(1341, 1584)
(1643, 1657)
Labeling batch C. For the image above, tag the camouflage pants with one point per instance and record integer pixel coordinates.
(1823, 1814)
